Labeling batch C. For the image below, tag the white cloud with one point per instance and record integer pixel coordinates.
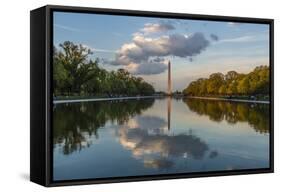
(148, 55)
(150, 68)
(156, 27)
(140, 55)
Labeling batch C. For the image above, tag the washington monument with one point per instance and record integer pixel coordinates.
(170, 94)
(169, 79)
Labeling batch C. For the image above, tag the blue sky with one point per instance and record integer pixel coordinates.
(144, 45)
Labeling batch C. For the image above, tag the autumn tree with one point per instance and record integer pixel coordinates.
(232, 84)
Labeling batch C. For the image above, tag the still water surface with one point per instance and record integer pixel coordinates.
(157, 136)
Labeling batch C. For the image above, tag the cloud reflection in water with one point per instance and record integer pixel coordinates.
(149, 140)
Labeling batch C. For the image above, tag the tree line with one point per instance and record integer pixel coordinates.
(75, 74)
(231, 84)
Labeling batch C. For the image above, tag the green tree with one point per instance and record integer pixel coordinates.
(222, 90)
(244, 86)
(256, 82)
(215, 81)
(77, 68)
(76, 74)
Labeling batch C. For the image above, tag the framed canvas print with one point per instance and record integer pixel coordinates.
(120, 95)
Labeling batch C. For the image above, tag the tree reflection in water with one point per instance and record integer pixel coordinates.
(149, 138)
(256, 115)
(75, 123)
(151, 141)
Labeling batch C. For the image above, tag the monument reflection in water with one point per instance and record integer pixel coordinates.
(158, 136)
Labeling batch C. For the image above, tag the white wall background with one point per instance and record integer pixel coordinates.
(14, 95)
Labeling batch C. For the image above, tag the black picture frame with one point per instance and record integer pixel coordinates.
(41, 40)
